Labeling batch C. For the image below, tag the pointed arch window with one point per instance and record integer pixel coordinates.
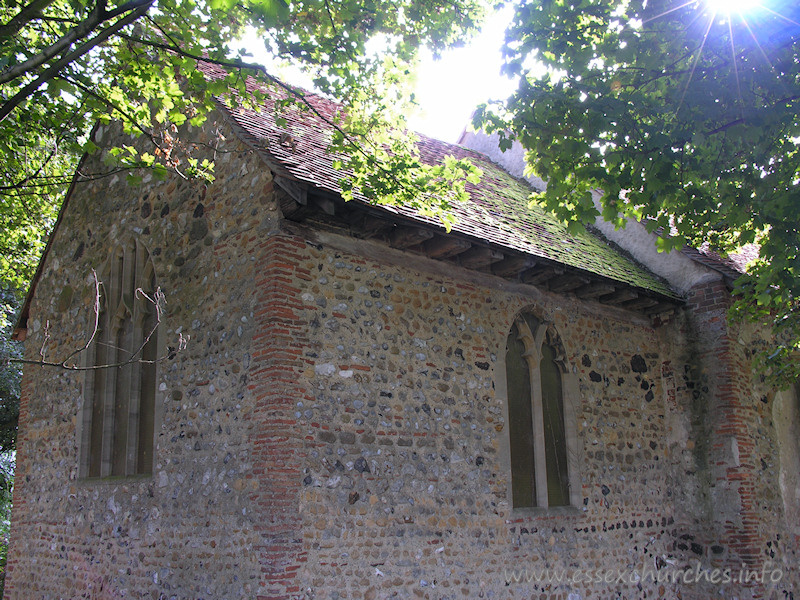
(542, 435)
(119, 399)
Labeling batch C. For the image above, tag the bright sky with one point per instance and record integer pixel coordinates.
(448, 89)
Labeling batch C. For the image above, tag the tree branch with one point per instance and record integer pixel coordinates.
(26, 14)
(240, 64)
(53, 70)
(89, 91)
(96, 17)
(54, 180)
(157, 300)
(22, 183)
(330, 16)
(96, 319)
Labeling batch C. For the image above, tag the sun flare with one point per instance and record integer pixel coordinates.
(733, 6)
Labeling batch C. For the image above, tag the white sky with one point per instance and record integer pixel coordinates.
(448, 89)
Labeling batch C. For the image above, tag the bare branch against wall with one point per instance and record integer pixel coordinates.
(157, 299)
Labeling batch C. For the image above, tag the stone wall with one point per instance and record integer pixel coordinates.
(191, 529)
(405, 480)
(746, 517)
(406, 477)
(333, 428)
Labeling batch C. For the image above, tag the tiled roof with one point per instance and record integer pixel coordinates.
(497, 212)
(733, 265)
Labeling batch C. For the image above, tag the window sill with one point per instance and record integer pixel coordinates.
(533, 512)
(115, 479)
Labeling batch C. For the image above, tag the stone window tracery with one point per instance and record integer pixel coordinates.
(119, 397)
(540, 393)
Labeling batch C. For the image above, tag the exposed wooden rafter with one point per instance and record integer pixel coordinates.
(537, 276)
(445, 246)
(296, 190)
(661, 308)
(566, 283)
(479, 257)
(326, 205)
(292, 209)
(594, 289)
(405, 237)
(366, 222)
(640, 303)
(512, 266)
(366, 226)
(618, 297)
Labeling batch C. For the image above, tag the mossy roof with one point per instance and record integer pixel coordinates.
(498, 209)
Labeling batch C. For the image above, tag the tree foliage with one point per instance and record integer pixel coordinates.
(685, 117)
(10, 374)
(65, 64)
(7, 465)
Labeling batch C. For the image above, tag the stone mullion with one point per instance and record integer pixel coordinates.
(147, 375)
(539, 456)
(533, 342)
(96, 382)
(115, 443)
(571, 397)
(134, 413)
(135, 368)
(109, 375)
(557, 440)
(111, 357)
(125, 348)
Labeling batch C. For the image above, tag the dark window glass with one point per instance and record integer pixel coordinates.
(537, 431)
(518, 380)
(555, 440)
(122, 392)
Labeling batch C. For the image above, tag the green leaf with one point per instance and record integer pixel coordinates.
(90, 147)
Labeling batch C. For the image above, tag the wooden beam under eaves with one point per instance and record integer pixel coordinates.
(368, 223)
(479, 257)
(445, 246)
(405, 237)
(640, 303)
(298, 191)
(538, 276)
(365, 226)
(565, 283)
(623, 295)
(326, 205)
(594, 290)
(511, 266)
(292, 209)
(661, 308)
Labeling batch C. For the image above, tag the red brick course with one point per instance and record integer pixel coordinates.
(275, 381)
(731, 416)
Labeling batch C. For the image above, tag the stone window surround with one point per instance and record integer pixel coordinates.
(144, 270)
(571, 400)
(786, 417)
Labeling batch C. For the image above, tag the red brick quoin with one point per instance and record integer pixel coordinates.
(276, 382)
(730, 413)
